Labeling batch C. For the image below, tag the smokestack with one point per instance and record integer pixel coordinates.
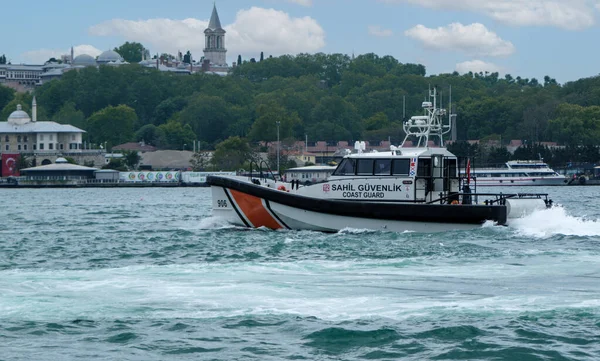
(34, 110)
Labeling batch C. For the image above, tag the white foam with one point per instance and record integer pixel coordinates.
(331, 290)
(554, 221)
(214, 223)
(349, 230)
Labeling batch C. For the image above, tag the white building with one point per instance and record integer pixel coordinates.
(24, 134)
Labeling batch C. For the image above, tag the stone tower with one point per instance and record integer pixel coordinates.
(214, 49)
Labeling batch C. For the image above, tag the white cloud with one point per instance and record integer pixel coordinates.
(377, 30)
(474, 39)
(254, 30)
(477, 66)
(41, 55)
(566, 14)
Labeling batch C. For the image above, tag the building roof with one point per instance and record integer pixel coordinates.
(108, 56)
(215, 23)
(58, 167)
(53, 72)
(24, 67)
(39, 127)
(84, 60)
(18, 117)
(139, 147)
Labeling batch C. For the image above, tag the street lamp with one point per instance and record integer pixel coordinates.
(278, 123)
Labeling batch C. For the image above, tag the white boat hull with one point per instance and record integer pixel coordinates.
(249, 211)
(278, 216)
(508, 181)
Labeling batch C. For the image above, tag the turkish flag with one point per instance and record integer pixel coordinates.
(9, 165)
(469, 171)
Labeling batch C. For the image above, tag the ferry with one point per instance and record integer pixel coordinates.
(405, 189)
(519, 173)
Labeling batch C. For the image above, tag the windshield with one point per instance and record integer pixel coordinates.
(346, 167)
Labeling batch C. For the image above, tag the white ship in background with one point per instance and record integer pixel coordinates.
(518, 173)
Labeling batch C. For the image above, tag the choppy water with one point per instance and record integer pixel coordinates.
(148, 274)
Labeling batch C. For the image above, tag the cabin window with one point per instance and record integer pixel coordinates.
(383, 166)
(451, 167)
(365, 167)
(424, 169)
(347, 167)
(401, 167)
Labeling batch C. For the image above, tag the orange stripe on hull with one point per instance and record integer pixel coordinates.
(254, 210)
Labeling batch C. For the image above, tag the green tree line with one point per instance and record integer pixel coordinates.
(328, 97)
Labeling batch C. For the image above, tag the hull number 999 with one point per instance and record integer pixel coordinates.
(221, 203)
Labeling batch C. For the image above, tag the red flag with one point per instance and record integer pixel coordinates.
(469, 171)
(9, 165)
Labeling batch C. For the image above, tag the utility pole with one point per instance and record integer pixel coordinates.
(278, 123)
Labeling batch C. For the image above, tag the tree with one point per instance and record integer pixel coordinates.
(200, 161)
(177, 134)
(24, 99)
(265, 125)
(239, 60)
(132, 159)
(112, 124)
(232, 154)
(209, 117)
(131, 52)
(3, 59)
(116, 164)
(187, 58)
(151, 134)
(6, 95)
(22, 163)
(262, 56)
(68, 114)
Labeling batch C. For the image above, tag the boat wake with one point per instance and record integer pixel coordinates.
(555, 221)
(214, 223)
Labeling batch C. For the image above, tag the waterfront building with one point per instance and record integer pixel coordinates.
(41, 142)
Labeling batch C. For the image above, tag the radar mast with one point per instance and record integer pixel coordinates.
(431, 125)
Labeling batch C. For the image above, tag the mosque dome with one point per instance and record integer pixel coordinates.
(18, 117)
(84, 60)
(61, 160)
(109, 56)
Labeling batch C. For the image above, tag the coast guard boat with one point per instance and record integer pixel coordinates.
(404, 189)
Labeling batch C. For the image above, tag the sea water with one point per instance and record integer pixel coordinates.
(148, 274)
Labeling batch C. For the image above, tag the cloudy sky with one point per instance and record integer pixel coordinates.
(530, 38)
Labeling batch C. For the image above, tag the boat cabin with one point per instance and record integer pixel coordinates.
(410, 175)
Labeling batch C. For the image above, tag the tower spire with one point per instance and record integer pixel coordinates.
(214, 23)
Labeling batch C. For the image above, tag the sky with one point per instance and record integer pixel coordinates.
(527, 38)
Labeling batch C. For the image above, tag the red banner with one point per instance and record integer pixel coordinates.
(9, 165)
